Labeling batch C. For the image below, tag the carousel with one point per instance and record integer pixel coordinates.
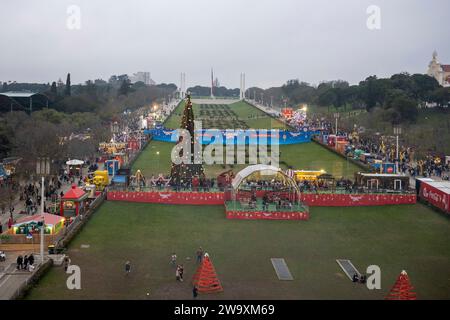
(265, 192)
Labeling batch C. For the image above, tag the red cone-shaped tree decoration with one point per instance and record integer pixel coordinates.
(205, 279)
(402, 289)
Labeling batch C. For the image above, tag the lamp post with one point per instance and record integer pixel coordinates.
(336, 116)
(397, 132)
(157, 167)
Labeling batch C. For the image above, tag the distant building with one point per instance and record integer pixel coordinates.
(441, 72)
(142, 77)
(60, 83)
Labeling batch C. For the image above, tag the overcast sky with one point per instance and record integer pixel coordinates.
(270, 40)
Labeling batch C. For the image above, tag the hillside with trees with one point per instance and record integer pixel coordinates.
(81, 108)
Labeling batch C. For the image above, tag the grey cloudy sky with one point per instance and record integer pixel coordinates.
(270, 40)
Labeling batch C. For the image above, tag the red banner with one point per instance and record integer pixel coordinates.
(168, 197)
(218, 198)
(350, 200)
(438, 198)
(259, 215)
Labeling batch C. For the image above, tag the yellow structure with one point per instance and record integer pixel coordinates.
(309, 175)
(113, 147)
(100, 179)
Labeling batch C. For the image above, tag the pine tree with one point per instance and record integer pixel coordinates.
(67, 91)
(53, 89)
(124, 87)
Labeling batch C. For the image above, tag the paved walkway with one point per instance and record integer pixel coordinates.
(12, 279)
(19, 205)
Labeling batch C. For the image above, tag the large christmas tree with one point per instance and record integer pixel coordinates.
(184, 172)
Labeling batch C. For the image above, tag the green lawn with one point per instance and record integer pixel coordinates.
(306, 156)
(413, 238)
(174, 120)
(410, 237)
(251, 116)
(312, 156)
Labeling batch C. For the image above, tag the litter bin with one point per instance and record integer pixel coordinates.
(51, 249)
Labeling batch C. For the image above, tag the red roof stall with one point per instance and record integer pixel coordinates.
(73, 202)
(29, 224)
(436, 193)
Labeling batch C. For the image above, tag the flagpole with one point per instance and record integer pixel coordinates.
(43, 221)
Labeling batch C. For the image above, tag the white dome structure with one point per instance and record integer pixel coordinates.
(260, 170)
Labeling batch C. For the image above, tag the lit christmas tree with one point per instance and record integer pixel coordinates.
(184, 172)
(402, 289)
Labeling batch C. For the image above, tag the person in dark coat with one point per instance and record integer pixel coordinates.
(25, 262)
(195, 292)
(66, 263)
(19, 262)
(31, 259)
(181, 271)
(127, 267)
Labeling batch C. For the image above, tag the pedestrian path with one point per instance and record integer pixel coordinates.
(12, 279)
(19, 206)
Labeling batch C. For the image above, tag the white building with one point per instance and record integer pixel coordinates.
(441, 72)
(143, 77)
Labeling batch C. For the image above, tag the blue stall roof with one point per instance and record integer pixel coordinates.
(120, 179)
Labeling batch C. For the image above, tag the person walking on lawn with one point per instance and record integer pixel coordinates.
(127, 267)
(199, 255)
(181, 271)
(173, 259)
(177, 274)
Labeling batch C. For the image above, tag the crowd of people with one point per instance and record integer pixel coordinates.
(384, 148)
(179, 268)
(317, 185)
(25, 262)
(163, 182)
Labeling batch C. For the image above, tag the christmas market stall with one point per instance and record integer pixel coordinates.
(32, 224)
(27, 230)
(73, 202)
(382, 182)
(75, 167)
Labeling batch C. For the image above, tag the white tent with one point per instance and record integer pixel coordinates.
(74, 162)
(263, 169)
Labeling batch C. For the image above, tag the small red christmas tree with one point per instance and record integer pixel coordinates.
(205, 279)
(402, 289)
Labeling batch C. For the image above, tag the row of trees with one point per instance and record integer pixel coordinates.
(400, 95)
(98, 96)
(201, 91)
(82, 108)
(47, 133)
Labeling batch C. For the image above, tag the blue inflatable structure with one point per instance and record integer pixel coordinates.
(238, 137)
